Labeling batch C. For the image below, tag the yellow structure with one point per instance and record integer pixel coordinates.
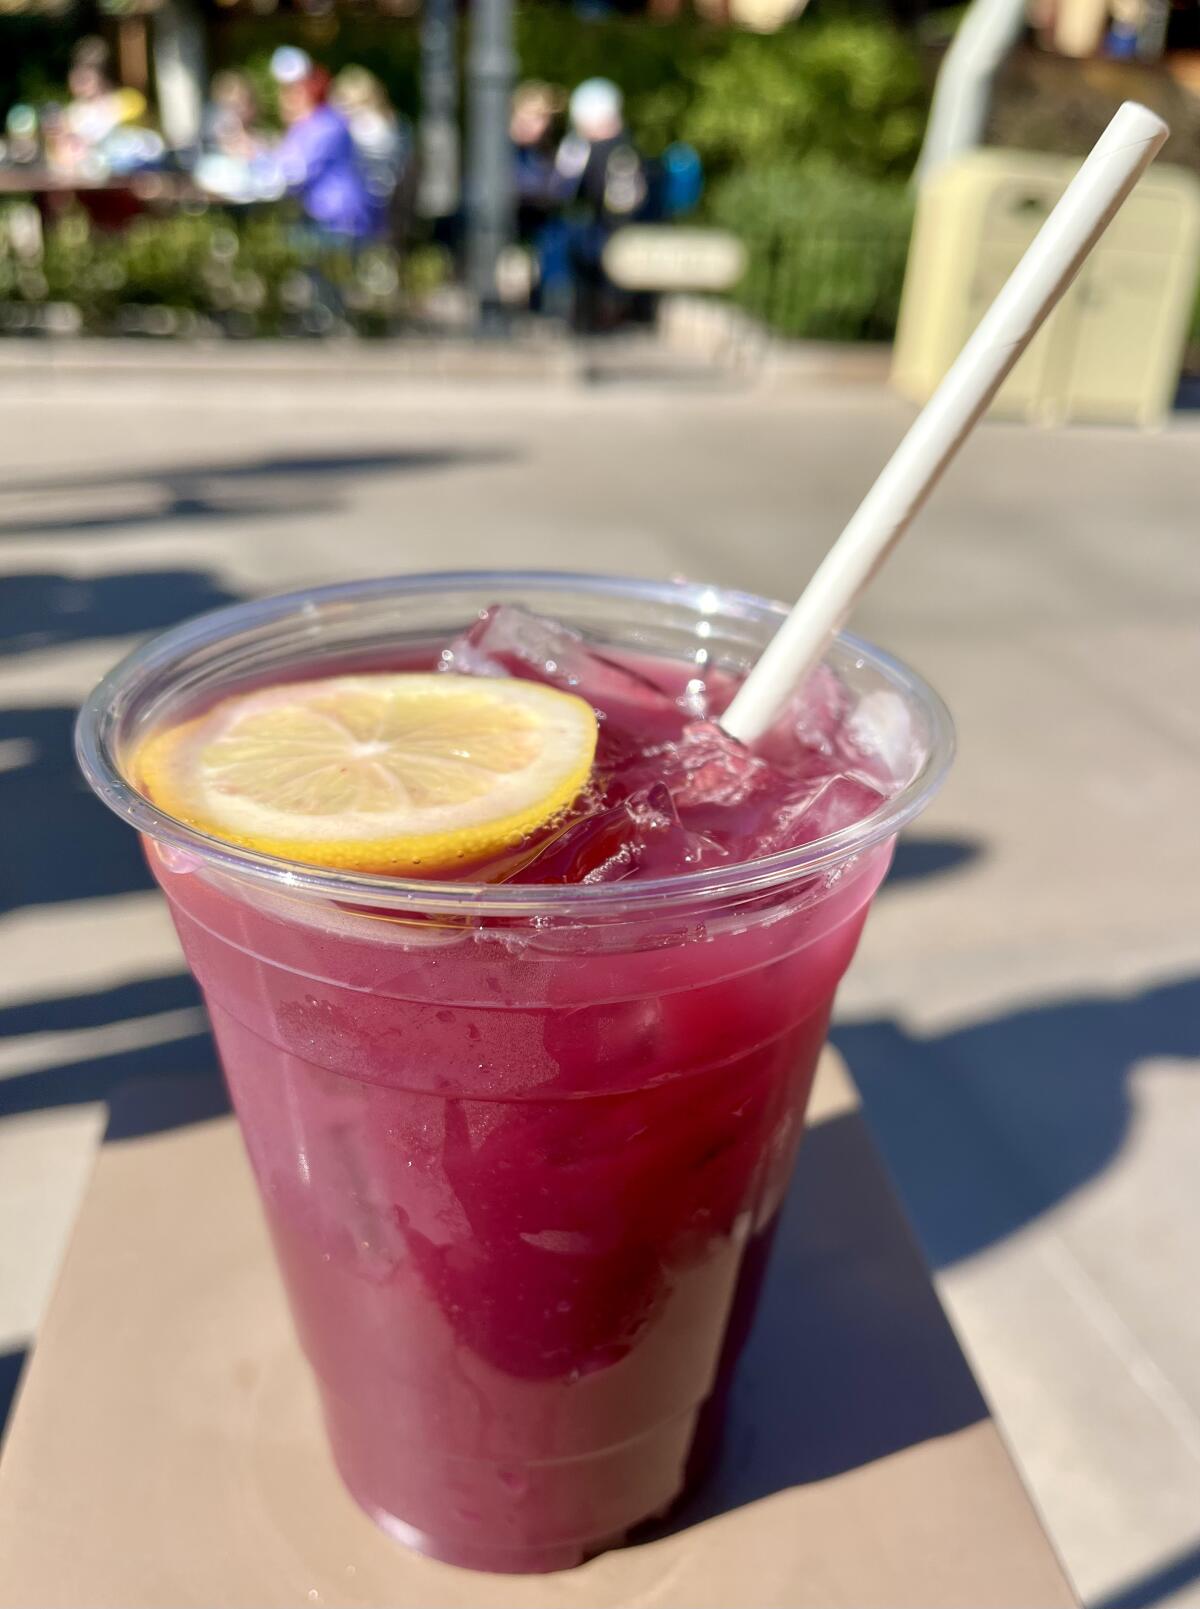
(1112, 349)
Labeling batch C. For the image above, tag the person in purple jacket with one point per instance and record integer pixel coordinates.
(317, 157)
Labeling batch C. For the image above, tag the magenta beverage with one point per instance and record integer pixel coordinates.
(522, 1135)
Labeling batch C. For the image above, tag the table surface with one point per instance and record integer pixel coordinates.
(166, 1449)
(150, 184)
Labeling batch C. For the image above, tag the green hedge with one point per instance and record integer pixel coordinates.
(849, 90)
(192, 273)
(826, 249)
(826, 260)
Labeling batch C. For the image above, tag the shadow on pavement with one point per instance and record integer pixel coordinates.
(72, 846)
(851, 1356)
(178, 507)
(284, 466)
(989, 1126)
(44, 611)
(11, 1364)
(146, 1033)
(1156, 1585)
(918, 857)
(198, 492)
(124, 1002)
(154, 1102)
(189, 1057)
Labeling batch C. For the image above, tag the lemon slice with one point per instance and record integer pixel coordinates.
(409, 774)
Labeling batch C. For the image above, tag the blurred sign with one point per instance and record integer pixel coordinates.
(661, 257)
(763, 16)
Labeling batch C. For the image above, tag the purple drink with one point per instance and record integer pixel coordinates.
(522, 1140)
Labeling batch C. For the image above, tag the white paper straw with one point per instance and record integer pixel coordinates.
(1087, 206)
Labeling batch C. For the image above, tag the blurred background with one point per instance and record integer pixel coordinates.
(315, 167)
(296, 292)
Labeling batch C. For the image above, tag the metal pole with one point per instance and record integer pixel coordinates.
(438, 192)
(179, 71)
(491, 191)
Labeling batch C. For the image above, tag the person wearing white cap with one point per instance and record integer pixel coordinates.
(600, 163)
(317, 159)
(290, 64)
(596, 109)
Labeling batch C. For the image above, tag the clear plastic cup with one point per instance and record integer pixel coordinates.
(521, 1148)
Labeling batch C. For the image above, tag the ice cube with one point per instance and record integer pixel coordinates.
(881, 729)
(722, 792)
(640, 836)
(838, 802)
(810, 728)
(508, 641)
(715, 768)
(703, 765)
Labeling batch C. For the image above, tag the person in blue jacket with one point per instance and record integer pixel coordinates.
(318, 160)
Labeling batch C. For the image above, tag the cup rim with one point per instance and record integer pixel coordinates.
(96, 728)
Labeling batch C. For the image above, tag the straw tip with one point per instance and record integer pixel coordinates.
(1135, 121)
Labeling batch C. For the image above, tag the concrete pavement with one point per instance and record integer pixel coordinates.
(1024, 1015)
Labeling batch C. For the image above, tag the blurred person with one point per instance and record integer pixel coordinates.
(88, 113)
(598, 158)
(231, 118)
(382, 139)
(608, 183)
(96, 109)
(235, 159)
(317, 158)
(541, 191)
(533, 129)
